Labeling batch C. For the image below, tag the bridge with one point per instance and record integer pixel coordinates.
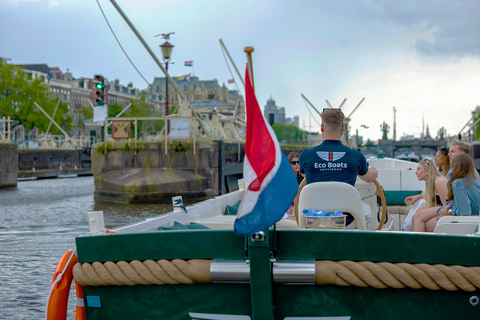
(392, 148)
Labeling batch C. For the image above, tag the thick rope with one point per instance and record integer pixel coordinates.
(397, 275)
(379, 275)
(147, 272)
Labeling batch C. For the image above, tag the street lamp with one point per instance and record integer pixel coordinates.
(166, 51)
(362, 126)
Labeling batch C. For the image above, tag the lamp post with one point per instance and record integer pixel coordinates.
(363, 126)
(166, 51)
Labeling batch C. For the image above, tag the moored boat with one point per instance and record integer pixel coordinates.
(168, 268)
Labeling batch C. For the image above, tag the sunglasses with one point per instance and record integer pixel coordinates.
(325, 109)
(294, 162)
(444, 150)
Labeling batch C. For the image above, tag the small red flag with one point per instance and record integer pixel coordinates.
(231, 81)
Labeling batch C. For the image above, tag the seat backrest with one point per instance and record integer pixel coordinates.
(457, 224)
(456, 219)
(457, 228)
(331, 196)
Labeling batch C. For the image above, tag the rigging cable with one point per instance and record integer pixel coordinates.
(230, 70)
(121, 47)
(308, 108)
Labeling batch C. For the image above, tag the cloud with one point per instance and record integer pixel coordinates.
(453, 28)
(444, 94)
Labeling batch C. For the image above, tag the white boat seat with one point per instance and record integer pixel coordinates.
(331, 196)
(457, 224)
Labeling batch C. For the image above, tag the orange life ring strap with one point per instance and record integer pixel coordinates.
(57, 302)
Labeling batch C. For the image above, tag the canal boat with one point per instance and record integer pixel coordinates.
(173, 267)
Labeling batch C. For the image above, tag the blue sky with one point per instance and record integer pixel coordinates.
(423, 57)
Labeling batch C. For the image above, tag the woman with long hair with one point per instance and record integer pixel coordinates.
(435, 183)
(295, 164)
(463, 189)
(442, 160)
(463, 195)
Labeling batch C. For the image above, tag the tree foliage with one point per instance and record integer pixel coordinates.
(18, 92)
(477, 127)
(288, 133)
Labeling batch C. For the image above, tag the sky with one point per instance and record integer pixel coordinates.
(421, 57)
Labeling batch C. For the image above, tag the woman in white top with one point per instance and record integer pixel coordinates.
(435, 183)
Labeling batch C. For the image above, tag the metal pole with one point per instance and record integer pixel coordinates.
(358, 105)
(59, 128)
(4, 128)
(248, 51)
(231, 60)
(167, 111)
(54, 112)
(8, 130)
(311, 104)
(121, 112)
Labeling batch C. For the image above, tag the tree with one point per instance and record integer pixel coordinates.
(288, 133)
(477, 127)
(115, 109)
(18, 92)
(140, 108)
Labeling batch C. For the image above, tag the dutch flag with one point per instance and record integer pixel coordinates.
(270, 182)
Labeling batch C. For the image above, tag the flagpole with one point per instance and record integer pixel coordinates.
(248, 51)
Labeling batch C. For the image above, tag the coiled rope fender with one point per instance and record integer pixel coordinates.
(383, 275)
(379, 275)
(147, 272)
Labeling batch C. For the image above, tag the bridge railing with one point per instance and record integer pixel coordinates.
(5, 129)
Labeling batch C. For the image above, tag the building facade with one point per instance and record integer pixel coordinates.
(276, 114)
(194, 90)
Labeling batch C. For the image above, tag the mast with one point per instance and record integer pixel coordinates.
(248, 51)
(394, 124)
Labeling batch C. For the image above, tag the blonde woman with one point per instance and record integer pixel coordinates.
(435, 183)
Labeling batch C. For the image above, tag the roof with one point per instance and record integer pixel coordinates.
(36, 67)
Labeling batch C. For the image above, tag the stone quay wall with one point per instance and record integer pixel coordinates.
(142, 172)
(8, 165)
(47, 159)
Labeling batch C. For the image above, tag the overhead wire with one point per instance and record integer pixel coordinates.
(121, 47)
(308, 108)
(230, 70)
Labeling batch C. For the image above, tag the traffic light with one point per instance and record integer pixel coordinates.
(100, 86)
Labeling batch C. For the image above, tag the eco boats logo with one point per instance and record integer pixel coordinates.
(330, 156)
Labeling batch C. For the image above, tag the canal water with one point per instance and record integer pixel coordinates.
(39, 221)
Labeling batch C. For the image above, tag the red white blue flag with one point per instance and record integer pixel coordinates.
(270, 182)
(189, 63)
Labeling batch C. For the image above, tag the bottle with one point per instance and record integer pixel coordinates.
(323, 213)
(337, 213)
(309, 212)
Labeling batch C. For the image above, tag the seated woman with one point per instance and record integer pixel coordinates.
(294, 163)
(442, 160)
(463, 189)
(463, 195)
(435, 183)
(293, 159)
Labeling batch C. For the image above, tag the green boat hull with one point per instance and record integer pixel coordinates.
(262, 298)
